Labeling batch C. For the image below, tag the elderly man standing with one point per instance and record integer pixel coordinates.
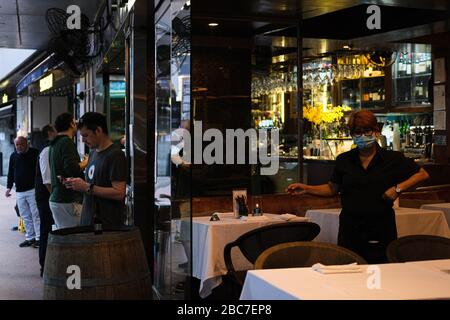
(21, 172)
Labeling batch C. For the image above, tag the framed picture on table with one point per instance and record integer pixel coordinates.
(238, 194)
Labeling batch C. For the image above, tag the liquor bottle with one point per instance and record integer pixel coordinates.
(402, 65)
(396, 137)
(428, 63)
(408, 136)
(408, 64)
(98, 226)
(419, 136)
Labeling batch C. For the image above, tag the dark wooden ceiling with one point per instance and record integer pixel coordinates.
(326, 26)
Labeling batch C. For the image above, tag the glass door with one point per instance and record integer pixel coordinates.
(172, 175)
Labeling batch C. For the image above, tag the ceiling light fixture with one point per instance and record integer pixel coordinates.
(213, 24)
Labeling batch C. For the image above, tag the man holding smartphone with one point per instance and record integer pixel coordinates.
(65, 203)
(106, 175)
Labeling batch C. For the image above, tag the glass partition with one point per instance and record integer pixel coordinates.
(172, 184)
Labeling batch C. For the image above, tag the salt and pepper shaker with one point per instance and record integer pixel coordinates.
(257, 210)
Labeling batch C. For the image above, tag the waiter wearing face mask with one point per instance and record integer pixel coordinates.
(368, 180)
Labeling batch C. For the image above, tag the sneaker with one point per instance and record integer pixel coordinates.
(26, 243)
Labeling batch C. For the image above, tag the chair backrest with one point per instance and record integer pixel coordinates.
(418, 248)
(305, 254)
(254, 242)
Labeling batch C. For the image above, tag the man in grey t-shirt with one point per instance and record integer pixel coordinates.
(106, 174)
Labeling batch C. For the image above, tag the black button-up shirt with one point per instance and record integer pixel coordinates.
(365, 215)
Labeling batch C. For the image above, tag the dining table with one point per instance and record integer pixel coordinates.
(418, 280)
(209, 239)
(410, 221)
(444, 207)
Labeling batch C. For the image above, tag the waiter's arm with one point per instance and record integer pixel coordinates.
(414, 180)
(322, 190)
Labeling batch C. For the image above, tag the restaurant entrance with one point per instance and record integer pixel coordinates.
(293, 73)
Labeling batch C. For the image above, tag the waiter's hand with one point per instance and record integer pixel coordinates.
(390, 194)
(76, 184)
(297, 189)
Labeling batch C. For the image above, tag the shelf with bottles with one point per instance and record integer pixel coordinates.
(373, 92)
(264, 119)
(411, 73)
(410, 133)
(350, 93)
(417, 75)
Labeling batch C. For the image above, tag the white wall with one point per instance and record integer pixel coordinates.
(59, 105)
(41, 112)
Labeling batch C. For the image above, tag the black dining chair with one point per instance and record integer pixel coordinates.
(254, 242)
(306, 254)
(418, 248)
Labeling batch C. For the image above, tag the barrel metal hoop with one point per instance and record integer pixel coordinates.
(89, 283)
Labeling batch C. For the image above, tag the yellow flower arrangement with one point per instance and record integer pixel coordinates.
(318, 115)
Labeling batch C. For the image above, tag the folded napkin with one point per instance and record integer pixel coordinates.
(223, 215)
(290, 217)
(345, 268)
(254, 218)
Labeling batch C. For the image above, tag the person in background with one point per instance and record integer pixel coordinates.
(43, 188)
(106, 174)
(65, 204)
(21, 172)
(368, 179)
(122, 142)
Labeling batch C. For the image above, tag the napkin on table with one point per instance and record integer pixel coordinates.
(345, 268)
(223, 215)
(290, 217)
(254, 218)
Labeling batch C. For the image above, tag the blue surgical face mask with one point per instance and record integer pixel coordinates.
(364, 142)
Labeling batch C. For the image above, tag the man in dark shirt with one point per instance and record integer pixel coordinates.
(43, 188)
(65, 162)
(368, 180)
(106, 174)
(21, 172)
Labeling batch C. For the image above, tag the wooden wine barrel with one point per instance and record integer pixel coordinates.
(112, 265)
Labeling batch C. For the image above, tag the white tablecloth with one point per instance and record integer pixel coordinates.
(409, 221)
(444, 207)
(398, 281)
(208, 242)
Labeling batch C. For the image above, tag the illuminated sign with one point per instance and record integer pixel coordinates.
(46, 83)
(5, 98)
(117, 89)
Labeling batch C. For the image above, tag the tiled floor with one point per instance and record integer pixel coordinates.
(19, 267)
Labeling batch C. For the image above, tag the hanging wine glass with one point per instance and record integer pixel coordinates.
(326, 80)
(317, 79)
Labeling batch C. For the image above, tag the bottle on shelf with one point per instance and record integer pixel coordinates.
(408, 64)
(404, 66)
(98, 226)
(396, 137)
(419, 136)
(428, 64)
